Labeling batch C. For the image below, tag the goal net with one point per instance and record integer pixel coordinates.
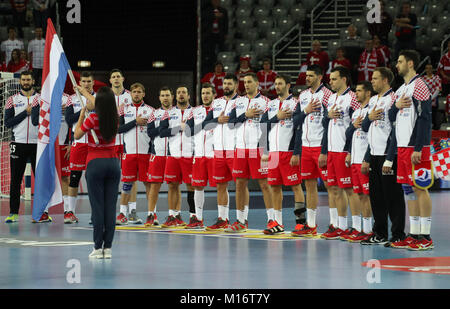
(9, 85)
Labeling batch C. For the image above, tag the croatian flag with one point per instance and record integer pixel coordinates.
(47, 188)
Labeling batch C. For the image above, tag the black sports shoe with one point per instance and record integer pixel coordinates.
(374, 240)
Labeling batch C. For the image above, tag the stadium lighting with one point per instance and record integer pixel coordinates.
(159, 64)
(84, 64)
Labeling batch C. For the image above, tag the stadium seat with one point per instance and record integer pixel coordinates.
(3, 34)
(273, 35)
(298, 13)
(244, 24)
(365, 34)
(242, 46)
(343, 33)
(287, 3)
(266, 3)
(242, 12)
(260, 12)
(226, 57)
(226, 3)
(262, 48)
(332, 46)
(435, 33)
(424, 21)
(265, 25)
(309, 4)
(251, 35)
(28, 33)
(245, 3)
(423, 44)
(443, 21)
(434, 9)
(360, 23)
(285, 24)
(391, 37)
(391, 9)
(279, 12)
(230, 67)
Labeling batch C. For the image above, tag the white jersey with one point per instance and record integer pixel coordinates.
(380, 130)
(204, 139)
(248, 133)
(359, 138)
(77, 106)
(64, 129)
(136, 139)
(281, 134)
(224, 135)
(122, 99)
(346, 103)
(181, 144)
(312, 128)
(159, 144)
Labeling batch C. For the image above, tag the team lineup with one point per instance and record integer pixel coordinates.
(364, 145)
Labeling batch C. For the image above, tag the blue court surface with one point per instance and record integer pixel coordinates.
(55, 255)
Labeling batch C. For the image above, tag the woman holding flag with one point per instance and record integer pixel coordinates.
(103, 168)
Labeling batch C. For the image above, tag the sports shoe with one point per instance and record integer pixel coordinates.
(374, 240)
(333, 233)
(220, 225)
(349, 234)
(421, 244)
(152, 220)
(170, 222)
(107, 253)
(402, 243)
(236, 227)
(69, 218)
(121, 219)
(44, 218)
(133, 218)
(304, 231)
(180, 221)
(361, 236)
(96, 254)
(12, 218)
(195, 224)
(275, 228)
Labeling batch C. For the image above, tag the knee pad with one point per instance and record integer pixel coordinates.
(127, 186)
(410, 195)
(75, 177)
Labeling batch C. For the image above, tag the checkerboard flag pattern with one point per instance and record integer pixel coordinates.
(440, 154)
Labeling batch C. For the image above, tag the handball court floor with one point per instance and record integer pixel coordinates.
(41, 256)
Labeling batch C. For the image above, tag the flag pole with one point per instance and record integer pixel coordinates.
(74, 83)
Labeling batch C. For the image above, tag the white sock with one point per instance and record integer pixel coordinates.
(223, 212)
(172, 212)
(414, 225)
(245, 213)
(199, 200)
(278, 214)
(72, 203)
(150, 213)
(367, 225)
(356, 223)
(311, 217)
(342, 223)
(132, 206)
(66, 202)
(124, 209)
(240, 214)
(270, 214)
(333, 217)
(425, 225)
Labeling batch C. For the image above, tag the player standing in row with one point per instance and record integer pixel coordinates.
(203, 163)
(357, 139)
(341, 106)
(412, 114)
(283, 166)
(179, 162)
(386, 195)
(22, 116)
(246, 116)
(308, 118)
(159, 152)
(133, 125)
(79, 148)
(224, 148)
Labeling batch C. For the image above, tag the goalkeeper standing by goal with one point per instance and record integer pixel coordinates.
(22, 116)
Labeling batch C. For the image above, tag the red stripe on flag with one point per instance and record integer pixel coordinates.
(48, 46)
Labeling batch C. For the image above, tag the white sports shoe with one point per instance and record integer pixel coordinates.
(96, 254)
(107, 253)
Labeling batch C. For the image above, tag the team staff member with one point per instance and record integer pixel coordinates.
(103, 168)
(22, 116)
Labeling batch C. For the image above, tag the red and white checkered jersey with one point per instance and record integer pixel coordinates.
(312, 128)
(136, 140)
(224, 134)
(160, 144)
(267, 81)
(64, 129)
(406, 117)
(180, 145)
(345, 103)
(380, 130)
(359, 138)
(24, 132)
(122, 99)
(249, 133)
(282, 132)
(77, 106)
(203, 140)
(434, 83)
(444, 67)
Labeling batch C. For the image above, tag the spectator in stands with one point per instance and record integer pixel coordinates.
(36, 54)
(24, 58)
(244, 68)
(369, 60)
(340, 59)
(318, 56)
(214, 31)
(381, 29)
(353, 45)
(5, 8)
(19, 8)
(433, 81)
(266, 79)
(444, 71)
(215, 78)
(406, 23)
(10, 44)
(40, 13)
(16, 65)
(382, 49)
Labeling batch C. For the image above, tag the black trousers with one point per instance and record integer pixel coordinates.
(103, 177)
(386, 199)
(20, 155)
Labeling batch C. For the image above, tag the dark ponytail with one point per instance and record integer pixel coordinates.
(106, 109)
